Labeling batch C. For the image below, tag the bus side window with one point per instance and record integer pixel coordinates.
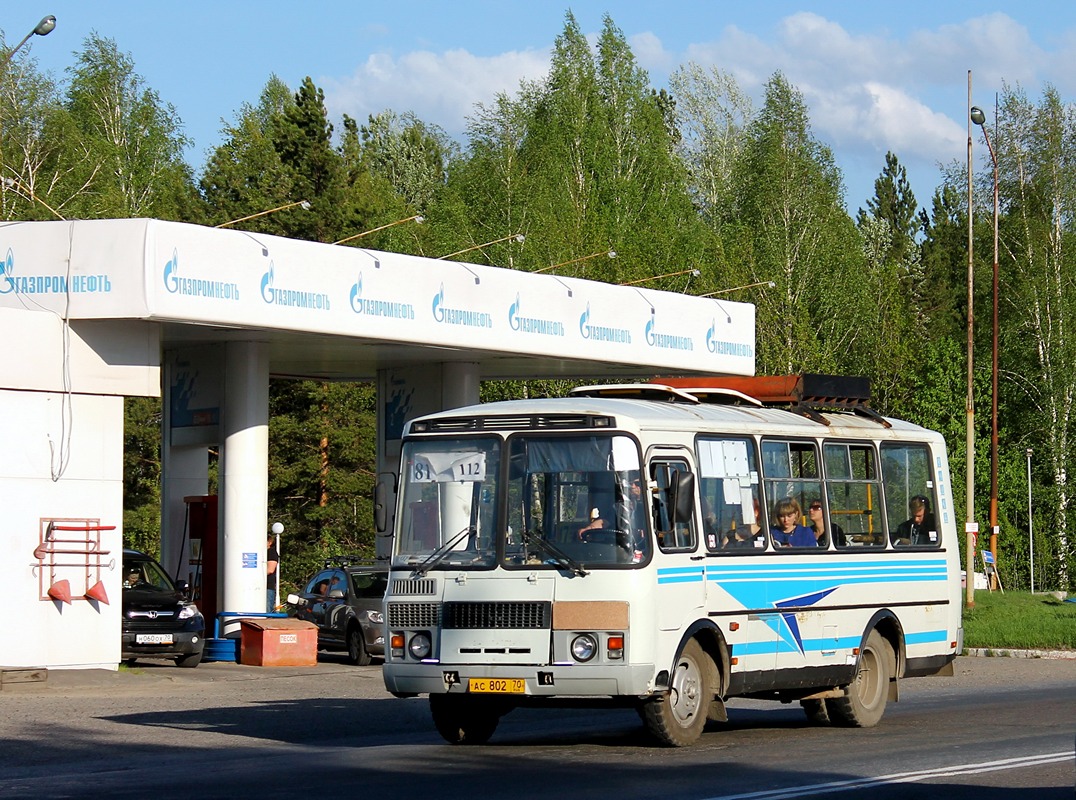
(854, 494)
(910, 499)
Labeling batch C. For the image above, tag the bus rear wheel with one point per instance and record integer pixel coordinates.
(678, 717)
(865, 697)
(461, 719)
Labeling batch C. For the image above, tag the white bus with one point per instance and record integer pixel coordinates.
(667, 548)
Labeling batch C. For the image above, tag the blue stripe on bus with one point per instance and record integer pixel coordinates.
(775, 647)
(839, 572)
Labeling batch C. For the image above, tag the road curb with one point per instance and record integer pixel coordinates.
(1007, 652)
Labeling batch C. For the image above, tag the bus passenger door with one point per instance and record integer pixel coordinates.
(681, 572)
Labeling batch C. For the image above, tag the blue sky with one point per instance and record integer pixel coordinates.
(875, 77)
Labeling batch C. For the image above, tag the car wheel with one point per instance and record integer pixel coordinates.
(193, 660)
(129, 662)
(356, 647)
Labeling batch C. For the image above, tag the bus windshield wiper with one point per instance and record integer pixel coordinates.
(559, 555)
(438, 555)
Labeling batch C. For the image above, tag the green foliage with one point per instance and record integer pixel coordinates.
(787, 225)
(142, 474)
(133, 142)
(590, 159)
(245, 175)
(1020, 620)
(322, 466)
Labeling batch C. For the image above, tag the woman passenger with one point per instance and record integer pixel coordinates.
(788, 532)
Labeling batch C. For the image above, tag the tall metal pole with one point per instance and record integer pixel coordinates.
(994, 356)
(970, 528)
(1030, 528)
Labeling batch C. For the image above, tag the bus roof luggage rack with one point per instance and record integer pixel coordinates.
(636, 391)
(807, 394)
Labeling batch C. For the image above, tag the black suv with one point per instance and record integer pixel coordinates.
(344, 601)
(159, 620)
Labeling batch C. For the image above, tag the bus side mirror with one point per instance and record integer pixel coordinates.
(682, 497)
(381, 507)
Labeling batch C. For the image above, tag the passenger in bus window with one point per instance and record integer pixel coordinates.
(744, 535)
(818, 525)
(788, 532)
(914, 530)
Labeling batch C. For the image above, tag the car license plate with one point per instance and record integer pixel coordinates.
(497, 685)
(153, 638)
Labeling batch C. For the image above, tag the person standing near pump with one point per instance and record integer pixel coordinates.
(272, 564)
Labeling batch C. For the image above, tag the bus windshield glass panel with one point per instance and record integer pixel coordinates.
(450, 496)
(575, 501)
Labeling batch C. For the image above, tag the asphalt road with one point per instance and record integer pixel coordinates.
(1001, 728)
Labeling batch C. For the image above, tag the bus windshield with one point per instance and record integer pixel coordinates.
(575, 501)
(450, 500)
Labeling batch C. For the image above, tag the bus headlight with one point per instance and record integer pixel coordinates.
(584, 646)
(420, 646)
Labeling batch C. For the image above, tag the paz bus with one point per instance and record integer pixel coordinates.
(620, 546)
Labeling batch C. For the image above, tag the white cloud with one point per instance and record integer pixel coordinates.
(440, 88)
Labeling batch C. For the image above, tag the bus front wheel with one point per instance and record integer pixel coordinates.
(461, 719)
(865, 697)
(677, 717)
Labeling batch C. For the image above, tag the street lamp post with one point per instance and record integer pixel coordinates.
(43, 28)
(1030, 528)
(979, 118)
(971, 528)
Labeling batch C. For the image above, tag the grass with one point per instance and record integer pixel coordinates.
(1020, 620)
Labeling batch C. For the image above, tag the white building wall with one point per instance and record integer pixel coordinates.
(80, 438)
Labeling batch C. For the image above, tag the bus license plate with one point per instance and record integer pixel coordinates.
(497, 685)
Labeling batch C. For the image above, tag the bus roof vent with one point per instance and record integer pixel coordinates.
(807, 394)
(636, 391)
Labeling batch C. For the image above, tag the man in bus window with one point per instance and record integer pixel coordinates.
(913, 531)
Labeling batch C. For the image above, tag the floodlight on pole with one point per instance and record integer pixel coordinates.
(519, 237)
(694, 273)
(43, 28)
(979, 118)
(769, 284)
(28, 194)
(609, 253)
(301, 203)
(418, 219)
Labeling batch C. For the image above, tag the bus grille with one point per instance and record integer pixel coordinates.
(486, 616)
(414, 615)
(408, 587)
